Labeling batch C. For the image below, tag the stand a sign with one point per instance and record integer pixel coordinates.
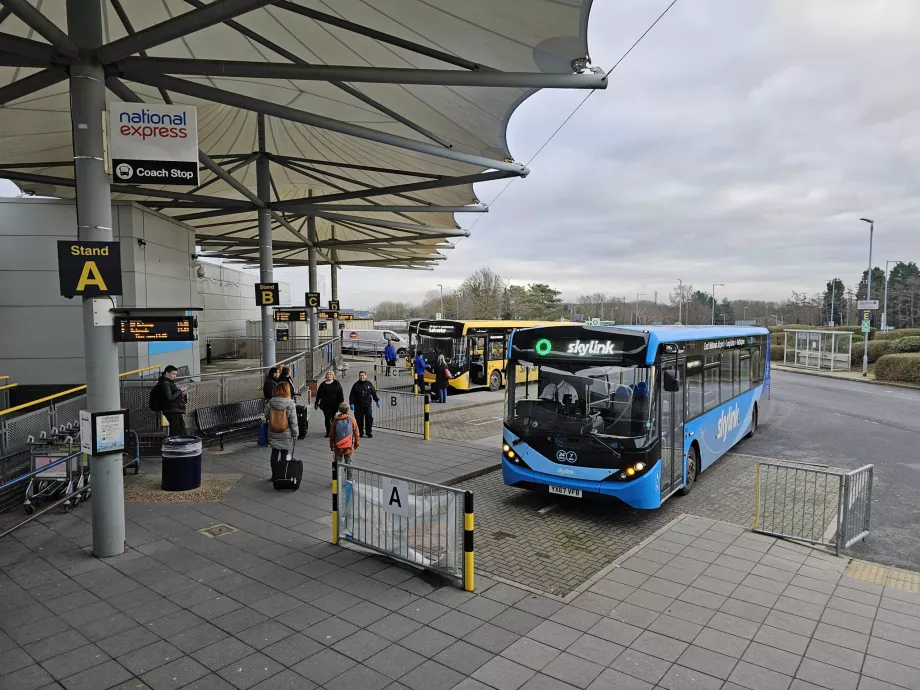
(153, 144)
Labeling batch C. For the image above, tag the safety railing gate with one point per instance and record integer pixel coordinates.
(398, 378)
(812, 503)
(406, 412)
(423, 524)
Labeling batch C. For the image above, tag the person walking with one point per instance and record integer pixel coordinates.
(281, 416)
(441, 376)
(271, 380)
(419, 367)
(362, 398)
(344, 437)
(389, 354)
(170, 399)
(329, 395)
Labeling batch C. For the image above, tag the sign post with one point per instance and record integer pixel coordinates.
(153, 143)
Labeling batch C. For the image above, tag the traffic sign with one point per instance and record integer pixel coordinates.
(867, 304)
(865, 326)
(312, 300)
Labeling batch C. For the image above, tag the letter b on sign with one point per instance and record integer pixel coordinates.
(394, 401)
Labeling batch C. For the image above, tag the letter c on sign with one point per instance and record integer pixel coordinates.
(393, 402)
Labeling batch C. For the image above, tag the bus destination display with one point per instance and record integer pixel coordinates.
(131, 330)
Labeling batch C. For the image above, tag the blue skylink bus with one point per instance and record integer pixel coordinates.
(633, 412)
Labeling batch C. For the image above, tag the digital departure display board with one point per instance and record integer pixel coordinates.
(145, 329)
(290, 315)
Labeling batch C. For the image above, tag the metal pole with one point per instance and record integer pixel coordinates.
(865, 369)
(885, 307)
(311, 255)
(714, 301)
(833, 291)
(94, 223)
(442, 300)
(334, 286)
(266, 272)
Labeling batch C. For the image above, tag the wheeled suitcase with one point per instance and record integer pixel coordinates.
(303, 420)
(288, 474)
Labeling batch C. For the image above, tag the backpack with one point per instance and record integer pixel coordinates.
(155, 403)
(277, 420)
(343, 434)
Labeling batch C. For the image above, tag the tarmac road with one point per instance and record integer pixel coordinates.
(847, 424)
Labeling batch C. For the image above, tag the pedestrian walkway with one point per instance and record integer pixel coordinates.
(271, 604)
(850, 375)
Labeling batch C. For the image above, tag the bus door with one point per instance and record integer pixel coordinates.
(477, 345)
(672, 426)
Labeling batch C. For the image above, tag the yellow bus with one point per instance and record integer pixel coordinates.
(476, 351)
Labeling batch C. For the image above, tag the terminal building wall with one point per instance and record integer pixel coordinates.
(41, 333)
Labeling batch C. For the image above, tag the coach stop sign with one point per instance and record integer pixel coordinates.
(153, 144)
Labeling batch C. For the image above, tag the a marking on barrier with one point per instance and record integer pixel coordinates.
(395, 494)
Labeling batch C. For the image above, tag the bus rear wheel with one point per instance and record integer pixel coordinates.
(753, 430)
(495, 380)
(693, 465)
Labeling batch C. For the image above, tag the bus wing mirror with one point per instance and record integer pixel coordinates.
(670, 382)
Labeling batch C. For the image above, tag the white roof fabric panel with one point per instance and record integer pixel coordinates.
(540, 37)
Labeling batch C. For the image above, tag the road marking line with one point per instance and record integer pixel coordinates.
(545, 510)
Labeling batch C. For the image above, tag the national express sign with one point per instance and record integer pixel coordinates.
(153, 144)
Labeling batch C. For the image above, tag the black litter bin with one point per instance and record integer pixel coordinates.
(181, 463)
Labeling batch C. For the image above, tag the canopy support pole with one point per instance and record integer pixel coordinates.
(311, 255)
(94, 223)
(266, 273)
(334, 282)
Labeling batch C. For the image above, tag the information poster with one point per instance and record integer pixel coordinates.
(110, 433)
(86, 432)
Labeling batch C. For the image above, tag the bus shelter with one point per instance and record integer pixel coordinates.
(346, 134)
(818, 349)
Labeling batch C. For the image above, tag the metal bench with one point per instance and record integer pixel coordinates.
(220, 420)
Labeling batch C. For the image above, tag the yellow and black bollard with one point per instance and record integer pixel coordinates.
(335, 502)
(427, 417)
(375, 377)
(468, 582)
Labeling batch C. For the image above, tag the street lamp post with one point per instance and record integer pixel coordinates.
(865, 371)
(638, 294)
(714, 301)
(885, 306)
(680, 300)
(744, 314)
(442, 299)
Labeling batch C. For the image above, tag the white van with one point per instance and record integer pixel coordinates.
(373, 342)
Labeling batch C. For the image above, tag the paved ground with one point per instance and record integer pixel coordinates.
(470, 422)
(556, 544)
(703, 605)
(849, 424)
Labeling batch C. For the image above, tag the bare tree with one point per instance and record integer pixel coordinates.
(481, 296)
(680, 296)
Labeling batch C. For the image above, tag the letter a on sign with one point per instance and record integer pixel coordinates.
(91, 276)
(395, 496)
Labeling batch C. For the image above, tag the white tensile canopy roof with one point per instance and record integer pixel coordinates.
(385, 112)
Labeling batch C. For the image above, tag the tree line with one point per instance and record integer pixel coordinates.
(487, 295)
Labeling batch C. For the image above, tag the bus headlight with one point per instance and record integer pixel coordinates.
(630, 472)
(639, 466)
(506, 447)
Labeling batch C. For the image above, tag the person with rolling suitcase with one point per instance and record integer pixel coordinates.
(281, 418)
(344, 437)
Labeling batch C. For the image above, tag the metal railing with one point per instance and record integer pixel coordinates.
(5, 389)
(400, 411)
(426, 525)
(249, 347)
(812, 503)
(398, 378)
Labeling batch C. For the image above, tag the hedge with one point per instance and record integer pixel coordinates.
(904, 368)
(898, 333)
(776, 353)
(908, 344)
(877, 348)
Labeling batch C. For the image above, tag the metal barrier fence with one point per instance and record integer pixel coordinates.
(426, 525)
(815, 504)
(404, 412)
(5, 388)
(248, 347)
(398, 378)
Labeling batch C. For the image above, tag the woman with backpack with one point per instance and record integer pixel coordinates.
(343, 436)
(281, 418)
(329, 395)
(441, 376)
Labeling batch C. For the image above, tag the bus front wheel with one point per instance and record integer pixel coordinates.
(495, 380)
(693, 465)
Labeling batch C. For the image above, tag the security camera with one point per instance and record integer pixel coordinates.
(200, 271)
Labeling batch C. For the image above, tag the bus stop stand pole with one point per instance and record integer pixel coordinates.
(266, 271)
(311, 254)
(334, 282)
(94, 223)
(865, 371)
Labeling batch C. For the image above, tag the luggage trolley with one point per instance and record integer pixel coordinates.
(61, 479)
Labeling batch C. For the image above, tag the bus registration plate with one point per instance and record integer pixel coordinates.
(565, 491)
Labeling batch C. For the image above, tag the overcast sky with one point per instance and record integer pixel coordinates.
(739, 143)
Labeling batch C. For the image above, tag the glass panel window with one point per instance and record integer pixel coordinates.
(744, 371)
(756, 365)
(725, 387)
(711, 382)
(694, 387)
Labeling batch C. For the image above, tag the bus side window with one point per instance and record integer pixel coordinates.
(694, 387)
(711, 383)
(744, 371)
(756, 365)
(725, 387)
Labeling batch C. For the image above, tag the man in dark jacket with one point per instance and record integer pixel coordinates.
(171, 401)
(271, 380)
(362, 398)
